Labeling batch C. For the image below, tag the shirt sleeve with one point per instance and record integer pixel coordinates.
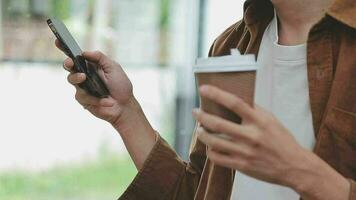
(165, 175)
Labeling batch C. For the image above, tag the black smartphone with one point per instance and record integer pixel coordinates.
(93, 84)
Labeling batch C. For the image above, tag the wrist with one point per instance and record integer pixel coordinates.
(127, 111)
(136, 132)
(131, 117)
(315, 179)
(307, 175)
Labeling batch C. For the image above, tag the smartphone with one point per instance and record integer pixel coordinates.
(93, 84)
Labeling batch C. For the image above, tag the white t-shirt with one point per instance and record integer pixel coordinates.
(282, 88)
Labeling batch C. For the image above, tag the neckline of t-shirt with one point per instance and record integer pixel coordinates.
(283, 52)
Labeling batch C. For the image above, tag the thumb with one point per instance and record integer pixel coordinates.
(96, 57)
(99, 59)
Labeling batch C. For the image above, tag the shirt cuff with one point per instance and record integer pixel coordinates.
(159, 175)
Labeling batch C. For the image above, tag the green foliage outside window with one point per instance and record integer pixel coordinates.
(61, 9)
(164, 21)
(29, 9)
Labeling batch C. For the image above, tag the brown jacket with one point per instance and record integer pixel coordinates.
(331, 58)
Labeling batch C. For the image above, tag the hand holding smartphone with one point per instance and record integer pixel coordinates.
(93, 84)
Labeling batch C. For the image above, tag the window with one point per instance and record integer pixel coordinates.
(49, 145)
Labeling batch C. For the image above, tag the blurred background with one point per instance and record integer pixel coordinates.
(50, 147)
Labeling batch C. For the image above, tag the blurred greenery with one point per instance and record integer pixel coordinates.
(104, 178)
(61, 9)
(25, 9)
(164, 19)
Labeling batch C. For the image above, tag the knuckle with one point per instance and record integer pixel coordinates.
(82, 93)
(199, 116)
(204, 120)
(264, 121)
(214, 143)
(99, 52)
(77, 96)
(101, 55)
(69, 78)
(273, 119)
(201, 135)
(211, 155)
(216, 126)
(250, 155)
(235, 104)
(203, 131)
(116, 64)
(212, 91)
(74, 78)
(266, 117)
(199, 130)
(68, 62)
(256, 139)
(243, 165)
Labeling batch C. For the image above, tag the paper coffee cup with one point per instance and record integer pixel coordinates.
(235, 74)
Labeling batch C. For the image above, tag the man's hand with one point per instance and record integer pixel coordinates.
(120, 109)
(263, 148)
(120, 87)
(111, 108)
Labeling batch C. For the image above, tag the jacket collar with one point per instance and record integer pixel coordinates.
(344, 12)
(341, 10)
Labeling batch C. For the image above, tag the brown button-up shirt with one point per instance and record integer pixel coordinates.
(331, 60)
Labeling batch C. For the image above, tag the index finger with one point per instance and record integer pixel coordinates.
(60, 46)
(228, 100)
(217, 124)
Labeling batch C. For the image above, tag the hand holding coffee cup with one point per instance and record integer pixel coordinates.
(235, 74)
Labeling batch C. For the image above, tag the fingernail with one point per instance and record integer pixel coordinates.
(200, 130)
(195, 111)
(82, 76)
